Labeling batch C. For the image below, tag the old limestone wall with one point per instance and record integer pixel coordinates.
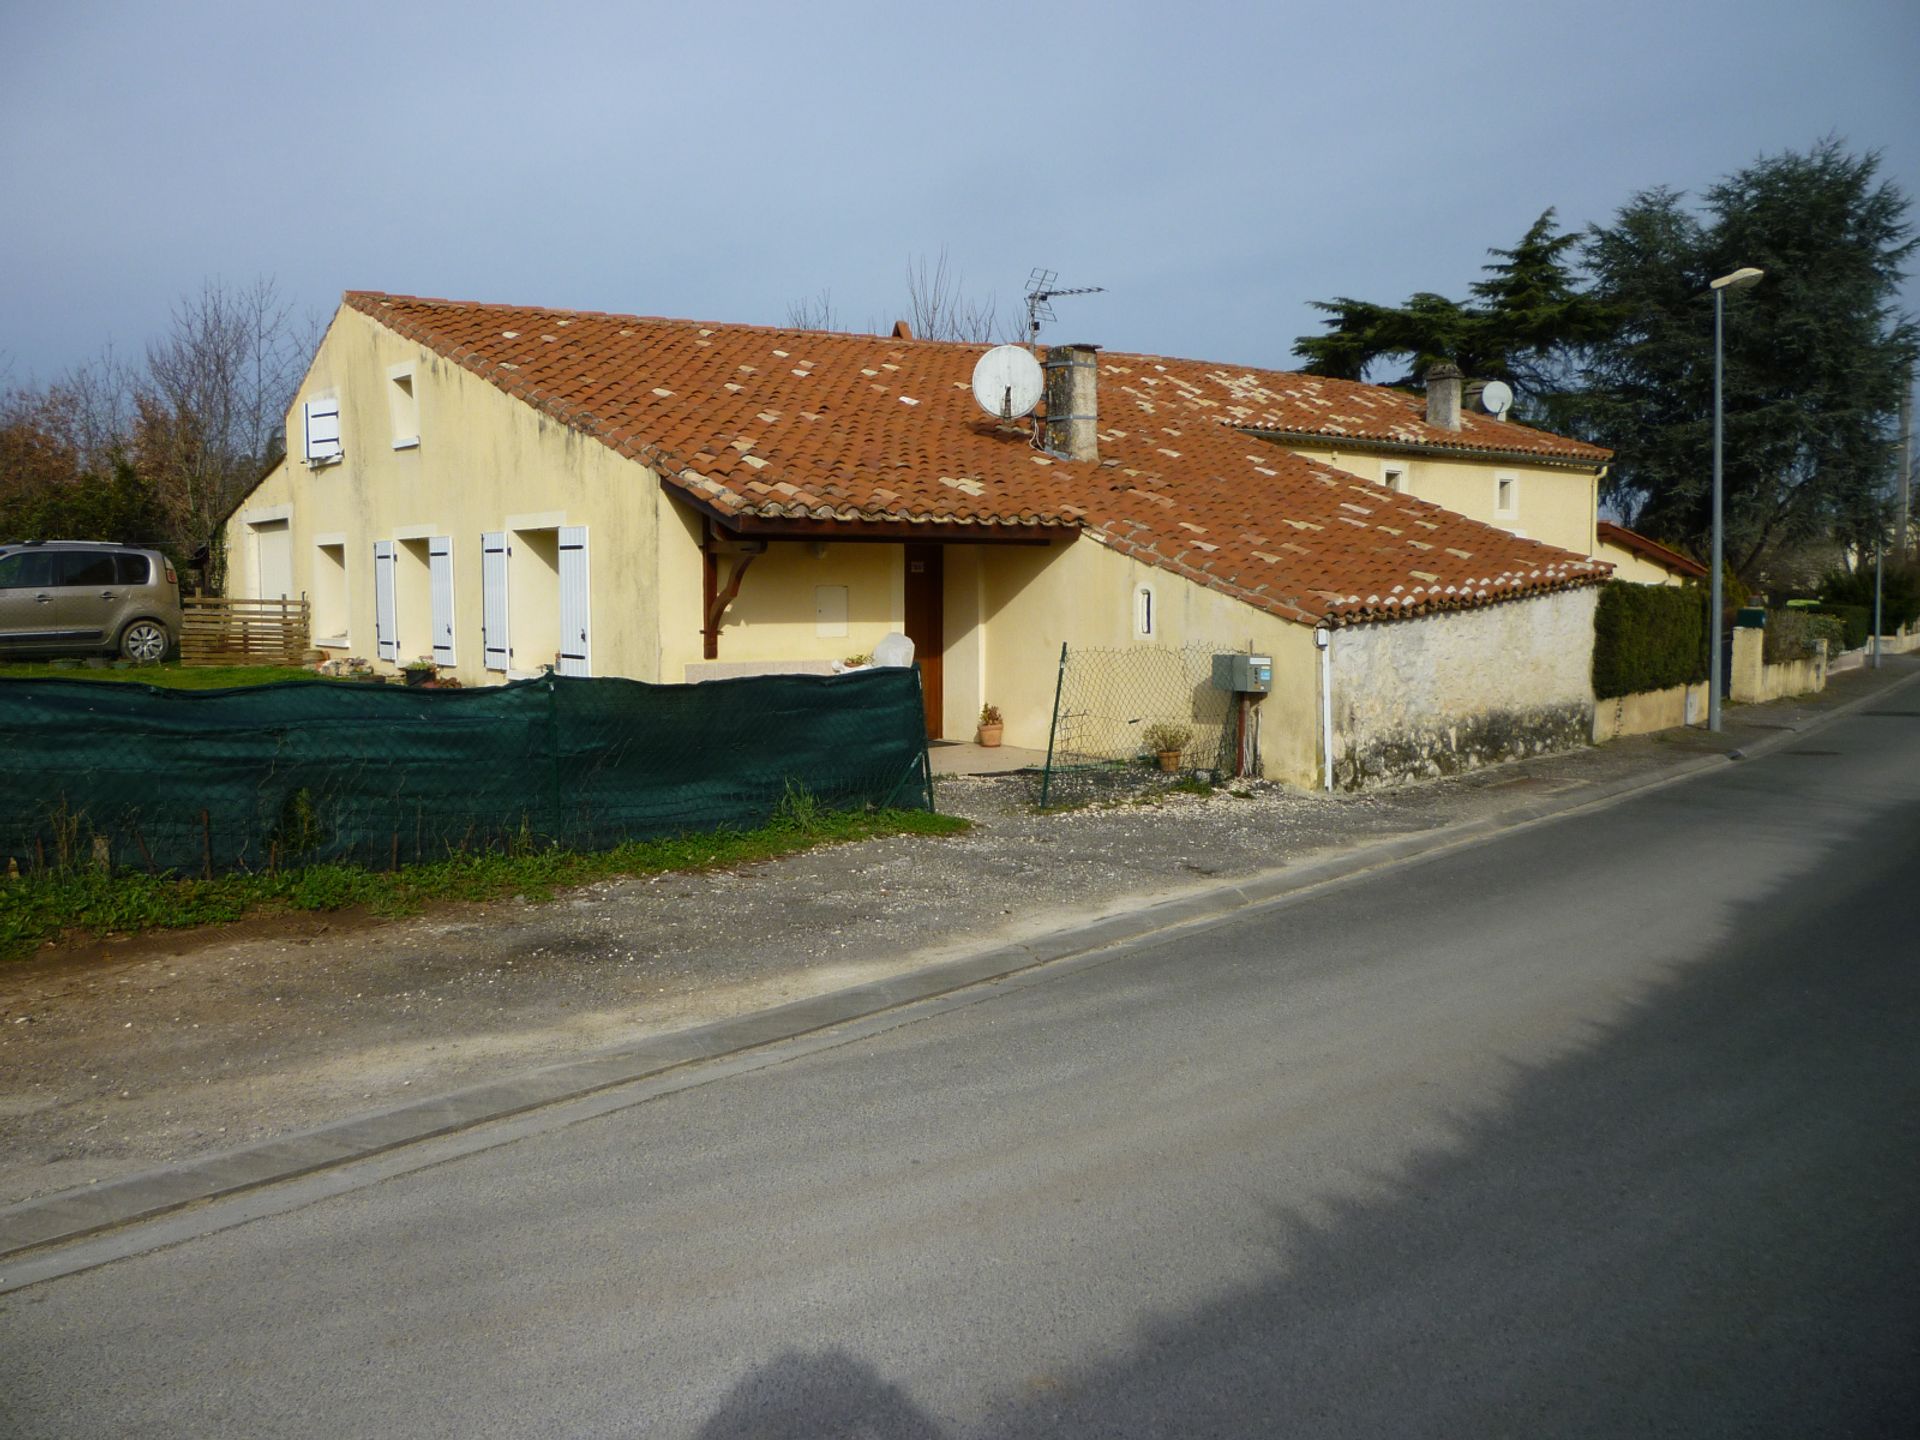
(1414, 699)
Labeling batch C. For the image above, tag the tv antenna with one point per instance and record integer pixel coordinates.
(1041, 289)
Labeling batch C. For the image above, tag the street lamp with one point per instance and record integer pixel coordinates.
(1738, 280)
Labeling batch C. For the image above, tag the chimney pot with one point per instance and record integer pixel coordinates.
(1073, 401)
(1443, 395)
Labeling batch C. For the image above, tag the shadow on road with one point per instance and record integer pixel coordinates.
(1701, 1223)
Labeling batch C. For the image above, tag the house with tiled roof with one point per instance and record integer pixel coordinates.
(1642, 559)
(504, 488)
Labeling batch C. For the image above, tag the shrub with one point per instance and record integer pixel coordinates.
(1899, 595)
(1163, 735)
(1790, 635)
(1648, 637)
(1856, 622)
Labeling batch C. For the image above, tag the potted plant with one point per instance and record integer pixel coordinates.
(418, 672)
(991, 727)
(1167, 740)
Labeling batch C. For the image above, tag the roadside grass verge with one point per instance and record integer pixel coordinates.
(38, 908)
(168, 677)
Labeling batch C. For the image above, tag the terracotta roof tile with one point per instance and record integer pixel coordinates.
(771, 423)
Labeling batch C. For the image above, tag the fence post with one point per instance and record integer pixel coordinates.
(1053, 726)
(553, 749)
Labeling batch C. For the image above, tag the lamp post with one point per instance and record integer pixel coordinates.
(1738, 280)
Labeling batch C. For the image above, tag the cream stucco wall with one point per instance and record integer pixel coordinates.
(1080, 592)
(1557, 506)
(483, 461)
(1419, 698)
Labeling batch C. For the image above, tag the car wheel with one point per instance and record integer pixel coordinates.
(145, 642)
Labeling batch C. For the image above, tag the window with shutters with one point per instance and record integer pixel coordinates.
(322, 419)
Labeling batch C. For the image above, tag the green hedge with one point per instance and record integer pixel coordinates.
(1856, 621)
(1648, 637)
(1899, 594)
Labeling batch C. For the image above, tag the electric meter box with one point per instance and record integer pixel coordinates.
(1243, 674)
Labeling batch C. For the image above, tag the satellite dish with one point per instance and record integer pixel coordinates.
(1007, 382)
(1497, 398)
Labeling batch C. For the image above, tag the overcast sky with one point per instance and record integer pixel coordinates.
(1215, 167)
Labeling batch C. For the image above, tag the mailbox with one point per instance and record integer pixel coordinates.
(1243, 674)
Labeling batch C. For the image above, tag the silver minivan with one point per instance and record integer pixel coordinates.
(75, 596)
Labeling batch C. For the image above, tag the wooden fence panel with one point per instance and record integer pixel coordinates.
(219, 630)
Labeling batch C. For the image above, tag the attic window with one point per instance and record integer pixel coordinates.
(404, 407)
(1506, 496)
(1394, 477)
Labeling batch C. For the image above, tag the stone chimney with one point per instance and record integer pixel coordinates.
(1073, 401)
(1443, 395)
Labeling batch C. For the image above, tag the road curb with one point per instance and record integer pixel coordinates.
(71, 1215)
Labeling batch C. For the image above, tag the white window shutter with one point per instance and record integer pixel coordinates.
(493, 599)
(440, 562)
(323, 430)
(575, 652)
(386, 641)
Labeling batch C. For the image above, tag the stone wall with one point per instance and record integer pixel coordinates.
(1414, 699)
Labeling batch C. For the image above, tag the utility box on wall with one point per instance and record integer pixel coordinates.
(1243, 674)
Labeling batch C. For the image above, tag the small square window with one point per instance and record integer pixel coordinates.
(1506, 495)
(1394, 477)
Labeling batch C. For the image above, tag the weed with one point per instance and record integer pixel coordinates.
(37, 908)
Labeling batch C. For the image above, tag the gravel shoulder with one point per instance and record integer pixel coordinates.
(120, 1056)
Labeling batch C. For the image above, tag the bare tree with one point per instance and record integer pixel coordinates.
(218, 386)
(939, 308)
(814, 313)
(101, 396)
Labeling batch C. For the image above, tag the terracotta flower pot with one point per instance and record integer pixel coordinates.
(989, 736)
(1169, 760)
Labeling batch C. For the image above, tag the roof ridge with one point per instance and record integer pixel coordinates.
(678, 321)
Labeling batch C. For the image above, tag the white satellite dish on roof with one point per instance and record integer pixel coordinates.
(1007, 382)
(1496, 397)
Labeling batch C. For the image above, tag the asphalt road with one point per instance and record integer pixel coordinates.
(1608, 1127)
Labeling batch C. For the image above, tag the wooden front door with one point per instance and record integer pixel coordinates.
(926, 624)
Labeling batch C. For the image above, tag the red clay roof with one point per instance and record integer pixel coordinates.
(1286, 403)
(1653, 550)
(770, 424)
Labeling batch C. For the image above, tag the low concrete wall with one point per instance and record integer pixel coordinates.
(1755, 681)
(1902, 642)
(1649, 710)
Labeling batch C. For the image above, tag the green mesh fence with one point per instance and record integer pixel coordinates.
(309, 771)
(1117, 707)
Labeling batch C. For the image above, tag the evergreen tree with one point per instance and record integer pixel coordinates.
(1817, 356)
(1519, 325)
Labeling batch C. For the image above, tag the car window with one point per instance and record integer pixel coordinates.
(132, 569)
(26, 570)
(83, 567)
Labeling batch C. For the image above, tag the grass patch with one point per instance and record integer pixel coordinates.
(168, 677)
(38, 908)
